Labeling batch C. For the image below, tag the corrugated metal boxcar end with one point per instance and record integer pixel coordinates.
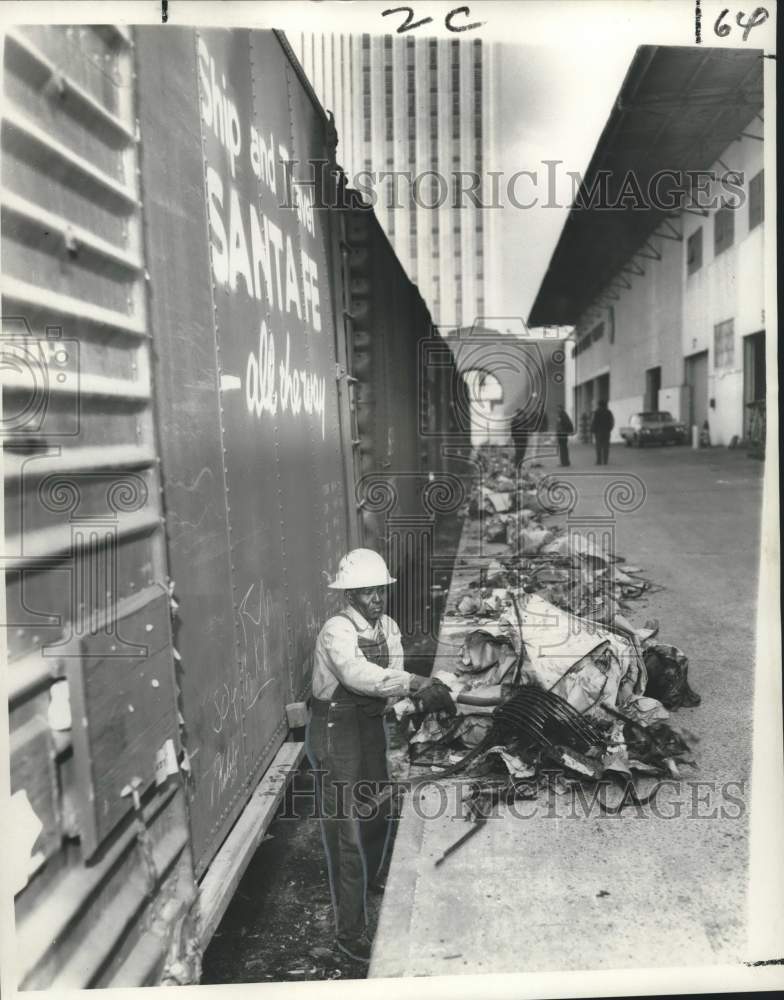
(94, 737)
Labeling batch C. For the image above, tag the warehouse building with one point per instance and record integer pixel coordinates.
(660, 263)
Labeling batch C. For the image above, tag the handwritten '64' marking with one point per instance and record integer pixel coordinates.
(754, 20)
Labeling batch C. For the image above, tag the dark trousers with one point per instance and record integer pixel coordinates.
(602, 448)
(520, 447)
(347, 750)
(563, 449)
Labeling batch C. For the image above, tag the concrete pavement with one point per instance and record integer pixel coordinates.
(563, 892)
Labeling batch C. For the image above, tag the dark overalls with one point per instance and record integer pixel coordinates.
(346, 746)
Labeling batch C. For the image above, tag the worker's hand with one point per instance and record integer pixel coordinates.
(436, 697)
(418, 683)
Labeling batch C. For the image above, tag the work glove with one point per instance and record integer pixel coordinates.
(436, 697)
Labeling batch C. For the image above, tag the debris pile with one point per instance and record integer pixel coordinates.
(550, 674)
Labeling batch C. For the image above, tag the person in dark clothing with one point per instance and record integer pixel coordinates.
(563, 428)
(521, 429)
(601, 427)
(357, 665)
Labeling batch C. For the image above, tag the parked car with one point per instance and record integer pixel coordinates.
(653, 427)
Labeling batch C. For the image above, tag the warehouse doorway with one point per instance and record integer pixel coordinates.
(696, 377)
(652, 387)
(603, 387)
(754, 385)
(486, 400)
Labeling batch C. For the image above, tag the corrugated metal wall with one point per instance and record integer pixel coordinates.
(84, 558)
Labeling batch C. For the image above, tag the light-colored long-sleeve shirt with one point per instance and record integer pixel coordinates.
(337, 658)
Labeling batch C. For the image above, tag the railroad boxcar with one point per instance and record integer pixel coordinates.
(203, 390)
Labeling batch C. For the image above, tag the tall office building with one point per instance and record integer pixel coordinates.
(424, 110)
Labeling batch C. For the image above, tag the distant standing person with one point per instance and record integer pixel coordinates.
(601, 427)
(520, 429)
(563, 428)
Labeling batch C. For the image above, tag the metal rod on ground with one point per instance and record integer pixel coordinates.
(477, 826)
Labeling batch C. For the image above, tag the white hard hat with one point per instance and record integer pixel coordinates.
(361, 568)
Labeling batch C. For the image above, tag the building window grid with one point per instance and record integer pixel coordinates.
(433, 69)
(388, 91)
(723, 229)
(351, 82)
(366, 94)
(724, 344)
(323, 64)
(694, 252)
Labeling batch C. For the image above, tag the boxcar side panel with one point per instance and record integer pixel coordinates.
(192, 449)
(251, 437)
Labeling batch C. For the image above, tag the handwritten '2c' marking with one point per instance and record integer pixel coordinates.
(409, 24)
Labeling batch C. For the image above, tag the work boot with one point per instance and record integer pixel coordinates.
(358, 947)
(378, 885)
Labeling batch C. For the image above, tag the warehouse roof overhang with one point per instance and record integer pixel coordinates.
(678, 109)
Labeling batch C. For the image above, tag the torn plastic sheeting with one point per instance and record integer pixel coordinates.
(514, 764)
(643, 709)
(550, 631)
(575, 544)
(584, 665)
(483, 602)
(619, 577)
(585, 767)
(500, 502)
(522, 517)
(455, 630)
(585, 684)
(470, 603)
(495, 529)
(482, 651)
(527, 540)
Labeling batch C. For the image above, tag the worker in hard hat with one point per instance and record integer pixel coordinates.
(357, 666)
